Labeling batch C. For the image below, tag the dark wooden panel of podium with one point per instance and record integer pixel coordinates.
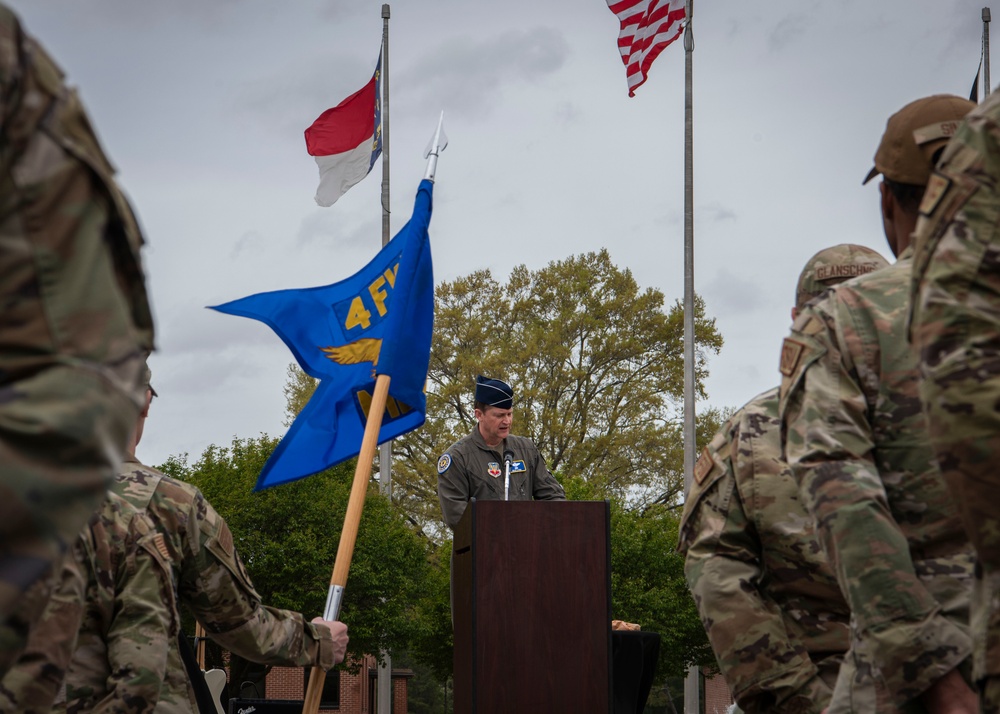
(532, 607)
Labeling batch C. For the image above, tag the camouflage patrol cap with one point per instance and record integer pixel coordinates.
(913, 134)
(835, 265)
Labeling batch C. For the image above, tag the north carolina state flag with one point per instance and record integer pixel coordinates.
(347, 139)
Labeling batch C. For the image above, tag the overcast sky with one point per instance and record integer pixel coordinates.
(202, 108)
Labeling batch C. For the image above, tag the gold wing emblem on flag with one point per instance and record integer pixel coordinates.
(363, 350)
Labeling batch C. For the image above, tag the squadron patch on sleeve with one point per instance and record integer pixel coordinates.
(703, 466)
(443, 463)
(791, 353)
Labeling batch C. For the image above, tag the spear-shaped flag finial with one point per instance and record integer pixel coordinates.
(437, 144)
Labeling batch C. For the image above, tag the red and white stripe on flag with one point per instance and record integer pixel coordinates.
(344, 143)
(647, 27)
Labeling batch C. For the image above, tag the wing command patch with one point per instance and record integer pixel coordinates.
(443, 463)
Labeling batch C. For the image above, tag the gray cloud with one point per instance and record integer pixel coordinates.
(732, 294)
(467, 77)
(327, 229)
(717, 212)
(288, 100)
(788, 30)
(195, 332)
(568, 113)
(249, 242)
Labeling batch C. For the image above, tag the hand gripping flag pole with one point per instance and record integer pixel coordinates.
(362, 473)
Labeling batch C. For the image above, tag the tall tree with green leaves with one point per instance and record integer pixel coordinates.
(597, 366)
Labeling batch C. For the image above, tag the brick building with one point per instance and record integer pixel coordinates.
(716, 695)
(344, 693)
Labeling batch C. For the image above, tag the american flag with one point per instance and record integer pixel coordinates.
(647, 27)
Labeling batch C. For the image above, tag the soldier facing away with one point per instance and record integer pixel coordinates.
(75, 326)
(117, 590)
(129, 621)
(857, 442)
(768, 599)
(956, 329)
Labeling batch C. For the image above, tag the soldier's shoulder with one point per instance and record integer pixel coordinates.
(712, 482)
(115, 514)
(764, 404)
(759, 421)
(868, 298)
(811, 334)
(462, 444)
(456, 450)
(714, 462)
(136, 483)
(180, 491)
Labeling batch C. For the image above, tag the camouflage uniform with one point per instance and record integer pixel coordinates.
(211, 581)
(956, 329)
(74, 325)
(856, 440)
(117, 593)
(471, 469)
(769, 601)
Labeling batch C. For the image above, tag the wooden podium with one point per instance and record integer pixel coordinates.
(532, 608)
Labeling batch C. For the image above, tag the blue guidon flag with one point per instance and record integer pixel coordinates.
(378, 321)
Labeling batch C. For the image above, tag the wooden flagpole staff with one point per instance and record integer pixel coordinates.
(362, 475)
(349, 535)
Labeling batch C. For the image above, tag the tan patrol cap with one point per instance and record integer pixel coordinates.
(913, 134)
(835, 265)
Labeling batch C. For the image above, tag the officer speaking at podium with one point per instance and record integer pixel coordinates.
(491, 464)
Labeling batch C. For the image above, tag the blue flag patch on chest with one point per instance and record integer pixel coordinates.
(517, 467)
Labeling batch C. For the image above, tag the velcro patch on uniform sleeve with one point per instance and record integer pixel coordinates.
(813, 326)
(225, 539)
(791, 353)
(703, 466)
(443, 463)
(936, 189)
(161, 546)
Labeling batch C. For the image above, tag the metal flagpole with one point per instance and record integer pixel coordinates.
(986, 53)
(385, 450)
(692, 688)
(386, 236)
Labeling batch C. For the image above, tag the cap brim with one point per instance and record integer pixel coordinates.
(871, 174)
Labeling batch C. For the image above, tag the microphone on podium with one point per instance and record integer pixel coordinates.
(508, 456)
